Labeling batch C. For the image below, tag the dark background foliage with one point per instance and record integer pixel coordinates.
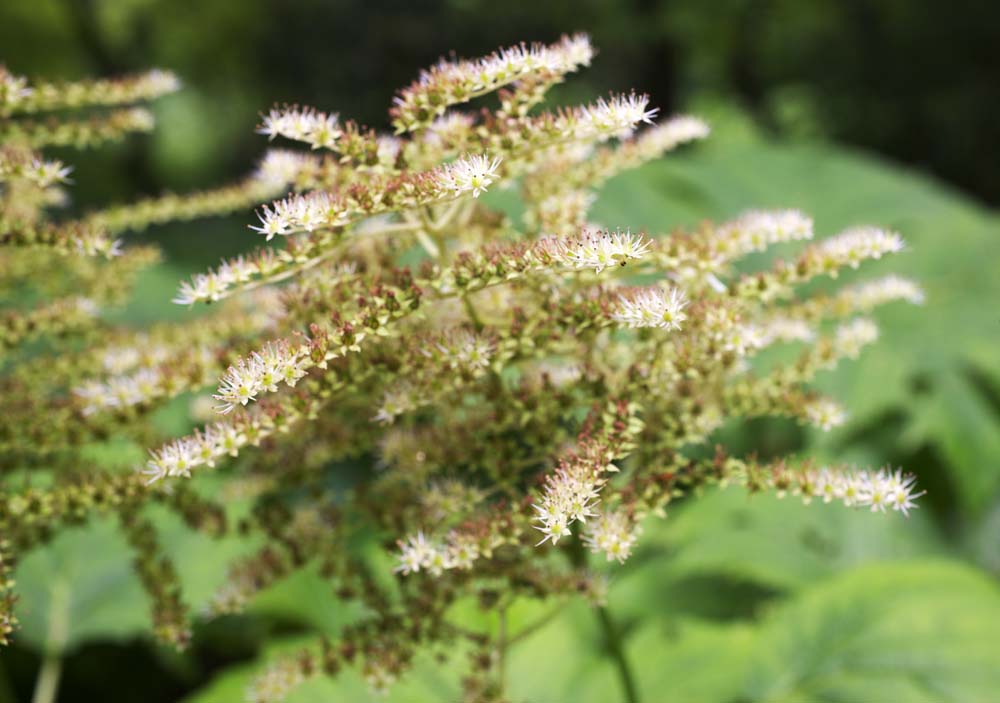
(907, 78)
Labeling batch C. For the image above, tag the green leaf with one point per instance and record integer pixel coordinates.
(691, 660)
(907, 633)
(777, 543)
(82, 586)
(903, 632)
(306, 597)
(968, 435)
(79, 587)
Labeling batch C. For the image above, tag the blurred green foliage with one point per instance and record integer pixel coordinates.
(729, 599)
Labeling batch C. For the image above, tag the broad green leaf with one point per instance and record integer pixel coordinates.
(919, 632)
(969, 435)
(691, 660)
(776, 543)
(907, 633)
(82, 586)
(79, 587)
(306, 597)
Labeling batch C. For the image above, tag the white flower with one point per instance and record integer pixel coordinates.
(570, 495)
(757, 229)
(878, 490)
(616, 117)
(469, 174)
(277, 362)
(851, 337)
(672, 133)
(414, 554)
(448, 129)
(13, 89)
(203, 286)
(825, 414)
(866, 296)
(652, 307)
(599, 250)
(851, 247)
(318, 129)
(174, 459)
(47, 173)
(160, 82)
(280, 167)
(901, 492)
(612, 533)
(395, 402)
(463, 349)
(784, 329)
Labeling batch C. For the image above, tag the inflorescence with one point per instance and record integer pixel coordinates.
(516, 394)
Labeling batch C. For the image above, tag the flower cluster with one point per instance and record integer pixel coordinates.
(318, 129)
(450, 83)
(599, 250)
(418, 553)
(878, 491)
(179, 457)
(511, 395)
(322, 210)
(613, 534)
(853, 246)
(653, 307)
(277, 363)
(757, 230)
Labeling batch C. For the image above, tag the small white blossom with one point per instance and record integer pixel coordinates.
(784, 329)
(612, 533)
(758, 229)
(469, 174)
(652, 307)
(319, 129)
(13, 89)
(202, 287)
(851, 247)
(870, 294)
(465, 350)
(570, 495)
(414, 554)
(673, 132)
(395, 402)
(280, 167)
(825, 414)
(47, 173)
(615, 117)
(879, 490)
(851, 337)
(600, 250)
(277, 362)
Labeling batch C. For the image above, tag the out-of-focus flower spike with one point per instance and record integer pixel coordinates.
(453, 82)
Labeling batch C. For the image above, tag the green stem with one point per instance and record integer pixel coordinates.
(47, 684)
(612, 636)
(502, 645)
(471, 310)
